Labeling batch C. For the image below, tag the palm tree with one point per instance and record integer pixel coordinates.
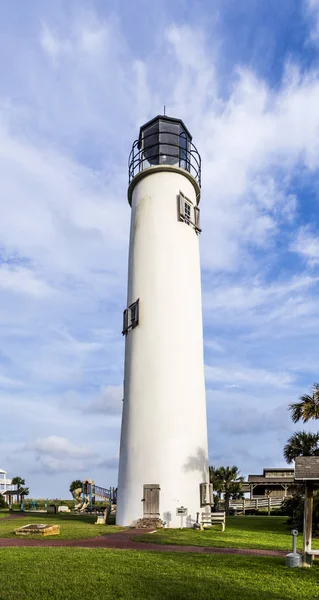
(19, 482)
(215, 479)
(74, 485)
(301, 443)
(228, 481)
(308, 406)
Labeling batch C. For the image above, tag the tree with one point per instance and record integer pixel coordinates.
(77, 483)
(308, 406)
(301, 443)
(215, 479)
(228, 481)
(19, 482)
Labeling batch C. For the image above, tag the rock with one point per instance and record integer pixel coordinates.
(41, 530)
(149, 523)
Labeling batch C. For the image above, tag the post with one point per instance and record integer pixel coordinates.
(244, 505)
(307, 526)
(269, 505)
(256, 503)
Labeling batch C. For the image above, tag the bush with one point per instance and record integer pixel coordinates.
(15, 506)
(3, 503)
(294, 508)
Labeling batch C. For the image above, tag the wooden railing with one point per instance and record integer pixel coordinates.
(254, 504)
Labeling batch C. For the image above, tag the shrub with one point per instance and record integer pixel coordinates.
(294, 508)
(3, 503)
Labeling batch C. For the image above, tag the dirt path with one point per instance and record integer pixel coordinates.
(124, 540)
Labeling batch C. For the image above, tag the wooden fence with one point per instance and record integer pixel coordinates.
(255, 504)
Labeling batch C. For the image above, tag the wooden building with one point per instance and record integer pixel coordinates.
(276, 483)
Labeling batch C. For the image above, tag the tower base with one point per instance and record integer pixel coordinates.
(149, 523)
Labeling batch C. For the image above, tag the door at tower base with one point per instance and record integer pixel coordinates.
(151, 501)
(151, 507)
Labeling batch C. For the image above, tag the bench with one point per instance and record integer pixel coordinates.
(211, 519)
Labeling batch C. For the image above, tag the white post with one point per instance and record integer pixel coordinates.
(307, 526)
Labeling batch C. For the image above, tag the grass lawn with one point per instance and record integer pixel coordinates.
(70, 573)
(72, 527)
(271, 533)
(3, 515)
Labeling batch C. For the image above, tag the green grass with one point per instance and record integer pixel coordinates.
(3, 515)
(69, 574)
(241, 532)
(72, 527)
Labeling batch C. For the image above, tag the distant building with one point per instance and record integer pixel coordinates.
(276, 483)
(5, 483)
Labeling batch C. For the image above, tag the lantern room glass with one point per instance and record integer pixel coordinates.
(165, 142)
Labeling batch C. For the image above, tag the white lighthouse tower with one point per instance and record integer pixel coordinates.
(163, 470)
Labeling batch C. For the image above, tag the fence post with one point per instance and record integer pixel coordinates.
(244, 505)
(256, 503)
(269, 506)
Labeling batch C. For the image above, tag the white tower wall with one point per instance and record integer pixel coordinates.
(164, 428)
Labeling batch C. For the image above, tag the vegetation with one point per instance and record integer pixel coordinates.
(20, 483)
(72, 527)
(74, 485)
(308, 406)
(301, 443)
(268, 533)
(3, 503)
(37, 573)
(294, 508)
(228, 481)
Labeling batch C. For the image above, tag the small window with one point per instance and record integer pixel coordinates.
(188, 213)
(130, 317)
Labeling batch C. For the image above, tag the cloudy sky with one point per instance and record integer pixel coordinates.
(78, 78)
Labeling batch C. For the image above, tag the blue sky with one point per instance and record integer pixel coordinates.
(77, 81)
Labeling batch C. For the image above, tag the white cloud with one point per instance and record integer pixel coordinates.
(231, 375)
(109, 401)
(54, 465)
(21, 280)
(59, 447)
(307, 245)
(312, 8)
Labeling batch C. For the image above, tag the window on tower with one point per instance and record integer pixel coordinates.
(188, 213)
(131, 317)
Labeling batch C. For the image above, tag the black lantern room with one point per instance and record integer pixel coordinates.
(164, 141)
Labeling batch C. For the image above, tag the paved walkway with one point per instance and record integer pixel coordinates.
(124, 540)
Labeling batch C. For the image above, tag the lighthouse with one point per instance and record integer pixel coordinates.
(163, 468)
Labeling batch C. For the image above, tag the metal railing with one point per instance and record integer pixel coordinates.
(181, 153)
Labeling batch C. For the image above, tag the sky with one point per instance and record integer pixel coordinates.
(78, 78)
